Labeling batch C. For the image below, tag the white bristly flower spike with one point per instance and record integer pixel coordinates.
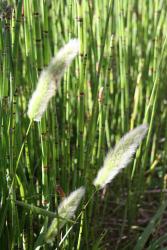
(49, 79)
(66, 210)
(119, 157)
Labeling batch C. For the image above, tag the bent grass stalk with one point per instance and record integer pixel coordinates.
(38, 210)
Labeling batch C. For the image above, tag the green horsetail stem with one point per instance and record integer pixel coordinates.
(119, 157)
(49, 79)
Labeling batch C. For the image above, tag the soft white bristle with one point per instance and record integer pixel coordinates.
(120, 156)
(49, 79)
(66, 211)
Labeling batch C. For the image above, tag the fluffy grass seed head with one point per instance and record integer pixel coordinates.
(119, 157)
(66, 210)
(49, 79)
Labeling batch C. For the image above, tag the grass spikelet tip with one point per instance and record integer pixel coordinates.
(66, 211)
(49, 79)
(119, 157)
